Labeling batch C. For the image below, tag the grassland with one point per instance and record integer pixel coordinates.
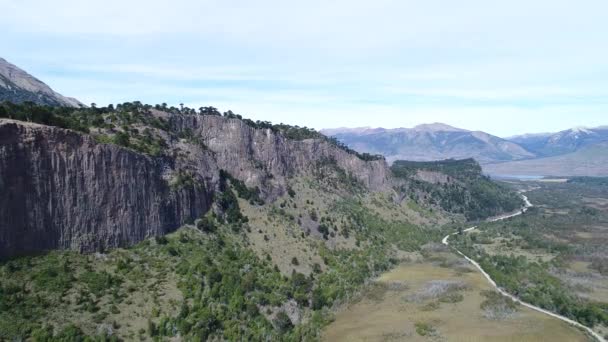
(408, 303)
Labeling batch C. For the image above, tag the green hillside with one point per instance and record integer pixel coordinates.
(466, 190)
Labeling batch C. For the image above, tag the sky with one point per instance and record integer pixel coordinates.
(504, 67)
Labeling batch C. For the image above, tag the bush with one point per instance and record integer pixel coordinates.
(425, 329)
(291, 192)
(497, 306)
(206, 225)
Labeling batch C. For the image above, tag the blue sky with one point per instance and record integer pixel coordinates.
(505, 68)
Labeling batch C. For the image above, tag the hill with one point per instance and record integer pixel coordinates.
(430, 142)
(456, 186)
(18, 86)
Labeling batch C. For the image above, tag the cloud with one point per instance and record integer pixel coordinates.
(326, 63)
(319, 24)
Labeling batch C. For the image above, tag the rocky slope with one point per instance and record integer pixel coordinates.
(18, 86)
(430, 142)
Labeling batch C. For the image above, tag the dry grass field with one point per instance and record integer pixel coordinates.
(407, 304)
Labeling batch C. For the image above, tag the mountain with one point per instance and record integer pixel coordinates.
(553, 144)
(18, 86)
(590, 160)
(228, 229)
(430, 142)
(168, 167)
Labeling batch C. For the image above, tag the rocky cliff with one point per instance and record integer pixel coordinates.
(64, 190)
(260, 156)
(61, 189)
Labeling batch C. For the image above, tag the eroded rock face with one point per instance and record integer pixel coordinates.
(432, 177)
(63, 190)
(252, 154)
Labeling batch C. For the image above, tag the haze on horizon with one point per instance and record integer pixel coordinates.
(504, 68)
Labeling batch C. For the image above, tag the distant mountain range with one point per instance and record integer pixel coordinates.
(553, 144)
(18, 86)
(576, 151)
(590, 160)
(430, 142)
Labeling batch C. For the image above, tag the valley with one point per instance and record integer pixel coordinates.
(272, 171)
(552, 255)
(390, 318)
(249, 230)
(587, 161)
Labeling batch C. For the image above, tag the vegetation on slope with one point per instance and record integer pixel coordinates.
(466, 190)
(209, 282)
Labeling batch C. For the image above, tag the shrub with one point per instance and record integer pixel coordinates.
(206, 225)
(425, 329)
(291, 192)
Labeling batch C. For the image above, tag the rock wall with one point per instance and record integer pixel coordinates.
(252, 154)
(62, 190)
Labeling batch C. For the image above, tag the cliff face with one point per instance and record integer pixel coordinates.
(252, 155)
(63, 190)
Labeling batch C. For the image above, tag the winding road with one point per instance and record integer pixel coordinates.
(505, 293)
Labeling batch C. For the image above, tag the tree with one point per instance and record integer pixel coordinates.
(122, 139)
(283, 322)
(318, 299)
(152, 331)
